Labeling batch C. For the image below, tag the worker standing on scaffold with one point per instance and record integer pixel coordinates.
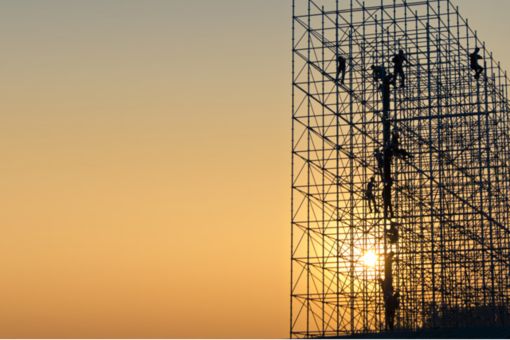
(386, 195)
(391, 297)
(392, 233)
(341, 67)
(398, 60)
(379, 73)
(391, 304)
(370, 196)
(395, 146)
(473, 59)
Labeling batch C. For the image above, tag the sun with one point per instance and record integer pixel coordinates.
(369, 259)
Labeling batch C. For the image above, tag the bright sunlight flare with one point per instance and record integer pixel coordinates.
(369, 259)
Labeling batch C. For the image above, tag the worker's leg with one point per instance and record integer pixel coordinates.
(388, 318)
(479, 71)
(392, 318)
(402, 77)
(375, 204)
(395, 76)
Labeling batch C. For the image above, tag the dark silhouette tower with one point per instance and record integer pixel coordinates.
(435, 250)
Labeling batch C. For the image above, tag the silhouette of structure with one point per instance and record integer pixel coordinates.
(439, 150)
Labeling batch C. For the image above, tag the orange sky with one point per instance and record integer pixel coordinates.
(146, 165)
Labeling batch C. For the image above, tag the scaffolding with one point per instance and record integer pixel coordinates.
(435, 249)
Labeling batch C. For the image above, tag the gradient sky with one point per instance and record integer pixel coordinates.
(145, 151)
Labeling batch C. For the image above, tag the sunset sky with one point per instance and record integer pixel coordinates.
(145, 146)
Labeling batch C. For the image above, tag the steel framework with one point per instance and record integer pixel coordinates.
(444, 254)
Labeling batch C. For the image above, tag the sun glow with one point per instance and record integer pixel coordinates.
(369, 259)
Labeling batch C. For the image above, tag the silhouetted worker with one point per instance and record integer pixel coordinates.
(473, 58)
(341, 67)
(398, 60)
(379, 72)
(392, 304)
(386, 195)
(379, 157)
(392, 233)
(395, 146)
(370, 196)
(391, 299)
